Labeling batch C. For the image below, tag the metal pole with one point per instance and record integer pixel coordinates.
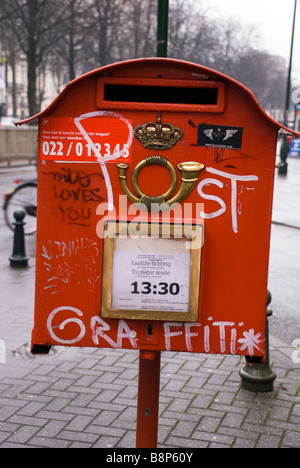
(148, 399)
(162, 28)
(284, 147)
(149, 361)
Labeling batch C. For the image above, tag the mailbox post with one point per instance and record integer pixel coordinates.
(149, 363)
(155, 188)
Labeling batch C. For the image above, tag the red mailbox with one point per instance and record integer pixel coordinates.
(155, 188)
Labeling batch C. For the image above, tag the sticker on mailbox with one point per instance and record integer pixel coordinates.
(90, 138)
(217, 136)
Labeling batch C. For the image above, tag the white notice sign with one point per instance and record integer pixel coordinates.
(151, 274)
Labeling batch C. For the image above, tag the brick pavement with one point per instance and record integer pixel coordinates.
(87, 397)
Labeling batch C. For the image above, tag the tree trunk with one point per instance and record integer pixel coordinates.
(31, 77)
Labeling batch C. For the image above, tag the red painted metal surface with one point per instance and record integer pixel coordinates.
(236, 188)
(148, 399)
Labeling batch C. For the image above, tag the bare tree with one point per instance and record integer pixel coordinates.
(233, 42)
(265, 75)
(104, 25)
(192, 34)
(140, 19)
(75, 30)
(11, 54)
(32, 23)
(75, 36)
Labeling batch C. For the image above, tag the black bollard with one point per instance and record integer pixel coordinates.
(18, 258)
(257, 376)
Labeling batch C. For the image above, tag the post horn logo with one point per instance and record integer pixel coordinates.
(190, 172)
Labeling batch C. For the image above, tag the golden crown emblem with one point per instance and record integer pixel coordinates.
(158, 136)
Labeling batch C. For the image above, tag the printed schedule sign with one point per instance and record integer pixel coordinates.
(151, 275)
(151, 278)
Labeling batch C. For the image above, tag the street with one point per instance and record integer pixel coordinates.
(284, 272)
(17, 326)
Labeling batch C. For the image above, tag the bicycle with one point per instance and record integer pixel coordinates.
(22, 198)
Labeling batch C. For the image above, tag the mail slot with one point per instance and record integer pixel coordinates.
(155, 189)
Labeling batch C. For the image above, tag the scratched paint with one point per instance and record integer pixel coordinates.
(65, 262)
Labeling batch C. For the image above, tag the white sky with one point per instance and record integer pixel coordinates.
(273, 19)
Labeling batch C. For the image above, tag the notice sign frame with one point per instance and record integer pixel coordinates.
(151, 271)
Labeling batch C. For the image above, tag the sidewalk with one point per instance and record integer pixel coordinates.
(87, 397)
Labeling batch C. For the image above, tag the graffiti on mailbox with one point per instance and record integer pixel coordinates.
(100, 136)
(235, 208)
(124, 154)
(231, 336)
(236, 184)
(83, 192)
(74, 194)
(64, 263)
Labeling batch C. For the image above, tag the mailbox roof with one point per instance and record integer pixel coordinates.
(178, 68)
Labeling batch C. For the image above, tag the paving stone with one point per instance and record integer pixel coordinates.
(106, 442)
(243, 443)
(291, 439)
(52, 428)
(184, 429)
(23, 434)
(49, 442)
(79, 423)
(268, 441)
